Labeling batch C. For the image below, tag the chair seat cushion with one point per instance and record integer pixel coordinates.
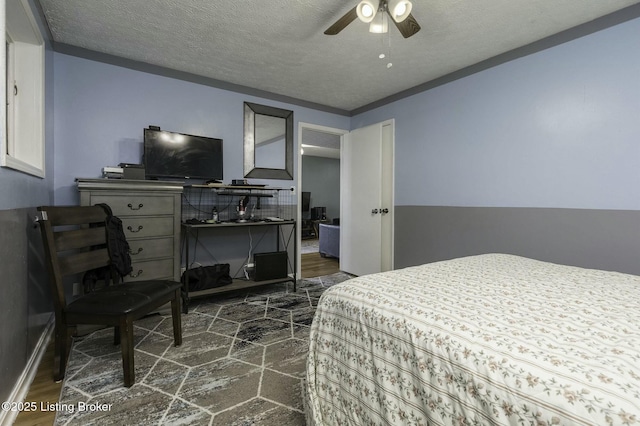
(122, 298)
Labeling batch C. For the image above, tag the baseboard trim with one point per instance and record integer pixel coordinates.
(21, 388)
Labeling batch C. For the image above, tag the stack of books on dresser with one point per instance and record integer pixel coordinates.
(112, 172)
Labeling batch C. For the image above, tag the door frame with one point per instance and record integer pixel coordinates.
(309, 126)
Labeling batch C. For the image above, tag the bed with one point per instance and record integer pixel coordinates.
(482, 340)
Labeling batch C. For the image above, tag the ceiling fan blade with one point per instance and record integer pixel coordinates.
(408, 27)
(341, 23)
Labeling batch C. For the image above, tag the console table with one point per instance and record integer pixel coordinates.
(266, 208)
(192, 230)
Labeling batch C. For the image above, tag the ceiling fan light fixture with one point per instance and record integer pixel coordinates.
(399, 9)
(366, 11)
(379, 25)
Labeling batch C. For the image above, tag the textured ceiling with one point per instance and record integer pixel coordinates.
(278, 46)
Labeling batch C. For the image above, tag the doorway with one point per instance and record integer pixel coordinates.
(319, 193)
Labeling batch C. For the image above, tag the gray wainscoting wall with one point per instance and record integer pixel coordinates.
(600, 239)
(25, 305)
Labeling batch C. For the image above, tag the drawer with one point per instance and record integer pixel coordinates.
(151, 269)
(139, 227)
(149, 249)
(136, 205)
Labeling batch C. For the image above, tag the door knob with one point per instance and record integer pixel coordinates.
(374, 211)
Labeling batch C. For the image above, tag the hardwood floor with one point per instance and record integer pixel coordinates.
(314, 265)
(45, 390)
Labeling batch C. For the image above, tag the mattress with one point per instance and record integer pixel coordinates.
(482, 340)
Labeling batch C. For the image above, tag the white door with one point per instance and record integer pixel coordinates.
(366, 217)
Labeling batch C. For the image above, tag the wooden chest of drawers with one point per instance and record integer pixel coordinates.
(150, 213)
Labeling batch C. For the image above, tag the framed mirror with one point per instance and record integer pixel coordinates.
(268, 142)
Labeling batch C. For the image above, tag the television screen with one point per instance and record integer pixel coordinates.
(178, 155)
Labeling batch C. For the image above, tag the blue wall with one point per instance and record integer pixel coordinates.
(101, 109)
(559, 128)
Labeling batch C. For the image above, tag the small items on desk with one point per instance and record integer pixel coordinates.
(194, 221)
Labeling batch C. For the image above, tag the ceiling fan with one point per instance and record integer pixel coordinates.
(372, 12)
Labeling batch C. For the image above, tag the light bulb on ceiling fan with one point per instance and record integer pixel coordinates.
(399, 9)
(366, 10)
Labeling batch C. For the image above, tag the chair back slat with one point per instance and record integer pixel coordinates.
(74, 215)
(79, 238)
(82, 262)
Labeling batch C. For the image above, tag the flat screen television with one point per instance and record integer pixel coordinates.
(181, 156)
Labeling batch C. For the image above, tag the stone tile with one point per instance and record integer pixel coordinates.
(289, 357)
(257, 411)
(166, 376)
(303, 316)
(265, 331)
(336, 278)
(308, 282)
(199, 349)
(257, 299)
(206, 306)
(243, 350)
(124, 408)
(155, 343)
(221, 384)
(289, 301)
(314, 292)
(301, 332)
(76, 362)
(270, 289)
(100, 343)
(149, 322)
(105, 374)
(222, 326)
(192, 323)
(280, 314)
(282, 416)
(241, 312)
(69, 397)
(283, 389)
(182, 413)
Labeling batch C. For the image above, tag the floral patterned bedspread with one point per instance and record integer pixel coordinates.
(483, 340)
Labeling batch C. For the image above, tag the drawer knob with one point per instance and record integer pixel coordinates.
(134, 230)
(132, 275)
(135, 208)
(133, 253)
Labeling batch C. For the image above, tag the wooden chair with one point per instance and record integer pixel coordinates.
(73, 247)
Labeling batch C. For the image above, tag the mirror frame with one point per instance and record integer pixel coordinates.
(250, 169)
